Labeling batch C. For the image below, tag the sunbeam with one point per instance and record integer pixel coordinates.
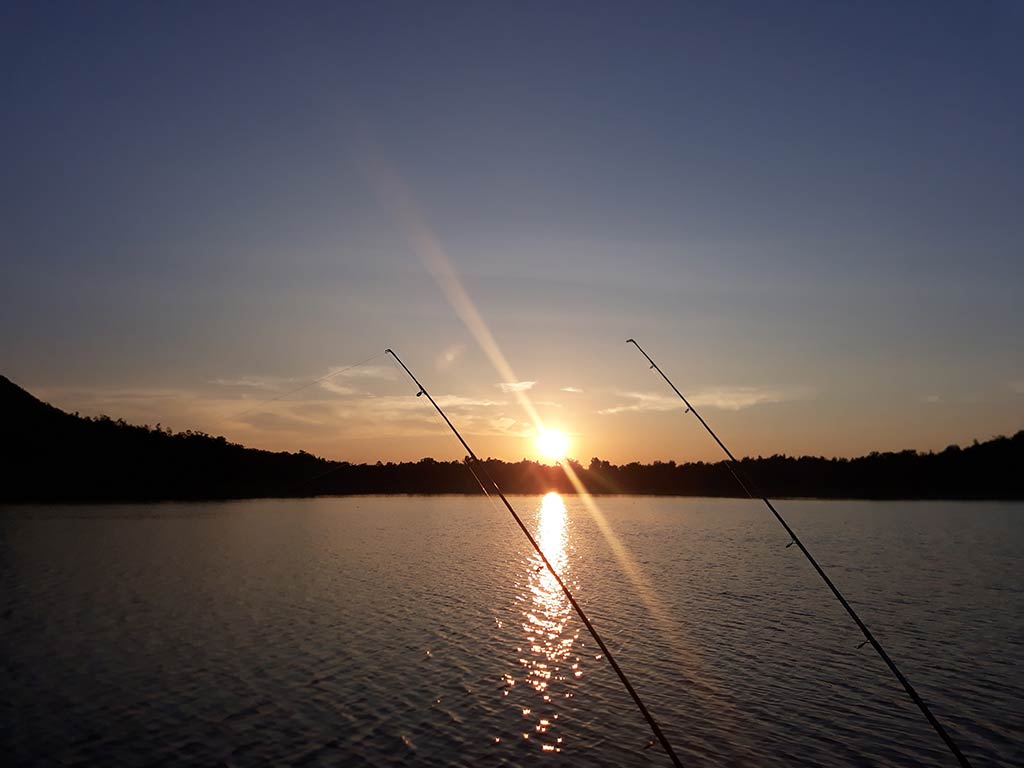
(398, 199)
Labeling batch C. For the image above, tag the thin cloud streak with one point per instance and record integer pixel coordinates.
(250, 382)
(272, 383)
(723, 398)
(515, 386)
(338, 389)
(312, 418)
(363, 372)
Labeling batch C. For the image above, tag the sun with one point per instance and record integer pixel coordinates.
(552, 444)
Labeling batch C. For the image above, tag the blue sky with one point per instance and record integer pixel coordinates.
(809, 213)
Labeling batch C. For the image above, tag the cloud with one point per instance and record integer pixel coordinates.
(457, 401)
(64, 397)
(724, 398)
(503, 423)
(364, 372)
(338, 389)
(330, 383)
(642, 401)
(320, 421)
(268, 421)
(175, 408)
(327, 382)
(516, 386)
(252, 382)
(1017, 386)
(738, 398)
(374, 417)
(572, 389)
(932, 399)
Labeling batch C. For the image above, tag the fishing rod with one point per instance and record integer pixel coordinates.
(750, 489)
(474, 464)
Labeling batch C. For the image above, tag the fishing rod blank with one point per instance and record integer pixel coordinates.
(749, 489)
(475, 463)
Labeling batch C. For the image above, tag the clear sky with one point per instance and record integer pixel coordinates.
(811, 214)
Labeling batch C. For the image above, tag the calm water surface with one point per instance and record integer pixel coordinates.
(422, 631)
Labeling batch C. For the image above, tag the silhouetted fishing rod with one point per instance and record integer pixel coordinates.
(749, 489)
(476, 463)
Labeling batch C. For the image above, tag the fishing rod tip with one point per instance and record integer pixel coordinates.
(631, 341)
(388, 352)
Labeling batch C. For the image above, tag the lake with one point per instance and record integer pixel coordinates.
(423, 631)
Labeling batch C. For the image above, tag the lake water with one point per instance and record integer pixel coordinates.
(421, 631)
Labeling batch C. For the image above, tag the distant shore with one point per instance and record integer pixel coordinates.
(52, 456)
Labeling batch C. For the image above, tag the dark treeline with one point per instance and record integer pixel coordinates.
(990, 470)
(49, 455)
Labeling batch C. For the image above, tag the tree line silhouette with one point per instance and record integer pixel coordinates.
(50, 455)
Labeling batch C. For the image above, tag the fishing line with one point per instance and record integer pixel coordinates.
(752, 492)
(473, 460)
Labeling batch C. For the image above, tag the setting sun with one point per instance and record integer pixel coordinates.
(552, 444)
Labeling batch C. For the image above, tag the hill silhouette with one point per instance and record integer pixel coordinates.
(50, 455)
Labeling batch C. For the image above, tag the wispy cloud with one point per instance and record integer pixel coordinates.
(251, 382)
(642, 401)
(515, 386)
(329, 381)
(268, 421)
(364, 372)
(330, 409)
(738, 398)
(503, 423)
(386, 416)
(458, 401)
(506, 426)
(91, 399)
(338, 389)
(724, 398)
(571, 389)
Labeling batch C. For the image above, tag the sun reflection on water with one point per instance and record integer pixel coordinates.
(549, 663)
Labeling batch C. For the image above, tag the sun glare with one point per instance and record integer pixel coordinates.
(552, 444)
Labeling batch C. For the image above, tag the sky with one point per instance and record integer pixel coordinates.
(809, 214)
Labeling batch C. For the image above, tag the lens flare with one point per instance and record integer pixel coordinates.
(399, 200)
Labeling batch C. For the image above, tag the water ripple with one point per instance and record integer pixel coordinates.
(424, 631)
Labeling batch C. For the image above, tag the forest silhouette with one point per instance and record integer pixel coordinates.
(49, 455)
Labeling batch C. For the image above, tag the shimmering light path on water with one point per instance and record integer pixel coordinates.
(398, 630)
